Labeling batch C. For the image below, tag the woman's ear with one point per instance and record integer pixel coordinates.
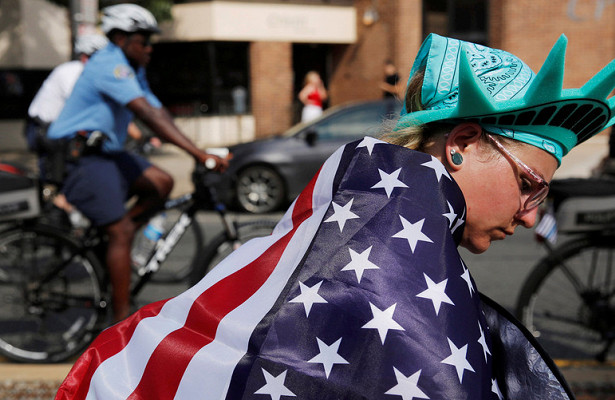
(461, 142)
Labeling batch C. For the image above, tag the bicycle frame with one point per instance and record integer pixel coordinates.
(167, 242)
(196, 202)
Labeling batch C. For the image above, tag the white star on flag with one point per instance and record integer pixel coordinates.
(342, 214)
(382, 321)
(458, 359)
(496, 389)
(437, 167)
(450, 215)
(360, 262)
(459, 222)
(369, 142)
(483, 342)
(275, 386)
(407, 386)
(466, 277)
(389, 181)
(412, 233)
(328, 356)
(435, 293)
(309, 296)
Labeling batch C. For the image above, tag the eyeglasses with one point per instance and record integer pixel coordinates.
(537, 190)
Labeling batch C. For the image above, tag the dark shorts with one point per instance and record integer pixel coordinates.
(99, 185)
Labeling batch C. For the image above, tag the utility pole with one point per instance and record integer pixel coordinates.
(83, 17)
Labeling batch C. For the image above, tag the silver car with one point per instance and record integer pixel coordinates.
(266, 175)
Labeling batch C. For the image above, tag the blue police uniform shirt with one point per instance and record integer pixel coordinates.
(99, 98)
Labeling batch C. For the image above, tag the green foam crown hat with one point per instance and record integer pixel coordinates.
(500, 92)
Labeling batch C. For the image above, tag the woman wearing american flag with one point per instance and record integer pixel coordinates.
(360, 292)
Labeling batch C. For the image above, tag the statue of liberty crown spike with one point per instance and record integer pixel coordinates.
(508, 95)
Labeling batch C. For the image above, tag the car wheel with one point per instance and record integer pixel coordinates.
(260, 189)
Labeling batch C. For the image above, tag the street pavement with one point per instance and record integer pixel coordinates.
(589, 380)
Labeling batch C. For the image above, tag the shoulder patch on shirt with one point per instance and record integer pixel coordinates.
(123, 71)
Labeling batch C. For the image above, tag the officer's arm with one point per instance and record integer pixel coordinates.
(160, 121)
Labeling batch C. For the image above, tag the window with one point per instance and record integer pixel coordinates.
(460, 19)
(201, 78)
(17, 89)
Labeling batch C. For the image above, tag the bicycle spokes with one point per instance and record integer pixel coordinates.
(50, 296)
(569, 300)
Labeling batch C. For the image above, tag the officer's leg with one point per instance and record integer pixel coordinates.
(152, 188)
(98, 187)
(120, 234)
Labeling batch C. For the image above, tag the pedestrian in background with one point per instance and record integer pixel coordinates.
(391, 87)
(312, 96)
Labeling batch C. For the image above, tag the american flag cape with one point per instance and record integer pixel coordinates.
(359, 293)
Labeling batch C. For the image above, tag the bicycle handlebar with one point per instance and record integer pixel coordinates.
(205, 180)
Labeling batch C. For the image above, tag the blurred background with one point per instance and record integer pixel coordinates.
(230, 71)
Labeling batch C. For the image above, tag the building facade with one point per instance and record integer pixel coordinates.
(231, 70)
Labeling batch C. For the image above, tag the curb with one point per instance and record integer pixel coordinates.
(588, 380)
(31, 382)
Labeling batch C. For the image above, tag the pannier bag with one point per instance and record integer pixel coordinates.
(19, 194)
(583, 205)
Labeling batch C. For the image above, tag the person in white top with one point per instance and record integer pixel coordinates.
(50, 98)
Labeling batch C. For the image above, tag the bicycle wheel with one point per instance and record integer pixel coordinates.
(568, 300)
(184, 256)
(51, 295)
(221, 246)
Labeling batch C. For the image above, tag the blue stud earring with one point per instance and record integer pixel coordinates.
(456, 157)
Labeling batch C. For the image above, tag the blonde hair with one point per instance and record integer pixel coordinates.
(309, 76)
(415, 137)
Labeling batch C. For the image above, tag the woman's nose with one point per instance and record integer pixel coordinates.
(527, 218)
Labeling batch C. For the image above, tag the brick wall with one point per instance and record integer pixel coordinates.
(408, 34)
(396, 35)
(529, 28)
(271, 75)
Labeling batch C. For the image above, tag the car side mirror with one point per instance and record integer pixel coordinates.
(311, 137)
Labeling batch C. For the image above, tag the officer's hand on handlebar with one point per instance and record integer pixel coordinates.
(214, 162)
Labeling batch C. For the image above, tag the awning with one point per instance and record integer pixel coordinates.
(240, 21)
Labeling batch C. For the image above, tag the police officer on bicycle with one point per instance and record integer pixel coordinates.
(100, 177)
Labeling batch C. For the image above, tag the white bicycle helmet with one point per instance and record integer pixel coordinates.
(89, 43)
(128, 18)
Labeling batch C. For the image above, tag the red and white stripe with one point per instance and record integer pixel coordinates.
(187, 347)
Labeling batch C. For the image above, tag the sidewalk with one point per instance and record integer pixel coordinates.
(31, 382)
(589, 380)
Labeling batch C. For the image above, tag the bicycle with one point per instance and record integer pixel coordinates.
(54, 295)
(568, 299)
